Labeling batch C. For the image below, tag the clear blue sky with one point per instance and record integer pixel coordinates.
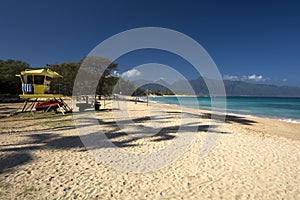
(243, 37)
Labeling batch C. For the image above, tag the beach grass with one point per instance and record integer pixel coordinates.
(58, 122)
(39, 115)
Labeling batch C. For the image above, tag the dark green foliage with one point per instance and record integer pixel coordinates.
(10, 84)
(139, 92)
(92, 68)
(160, 92)
(69, 71)
(93, 77)
(96, 71)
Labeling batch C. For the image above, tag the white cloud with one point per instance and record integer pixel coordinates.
(115, 73)
(253, 77)
(231, 78)
(256, 78)
(131, 73)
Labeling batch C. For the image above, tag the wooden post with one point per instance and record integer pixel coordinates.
(147, 98)
(87, 99)
(25, 104)
(104, 102)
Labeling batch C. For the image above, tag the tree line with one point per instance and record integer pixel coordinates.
(92, 70)
(10, 84)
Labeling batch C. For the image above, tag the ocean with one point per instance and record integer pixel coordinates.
(286, 109)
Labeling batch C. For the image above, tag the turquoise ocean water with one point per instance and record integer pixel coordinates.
(287, 109)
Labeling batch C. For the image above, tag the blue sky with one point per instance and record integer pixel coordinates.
(257, 41)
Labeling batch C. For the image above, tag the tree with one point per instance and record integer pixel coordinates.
(65, 84)
(10, 84)
(126, 87)
(91, 71)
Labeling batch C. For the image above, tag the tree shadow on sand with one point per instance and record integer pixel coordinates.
(49, 138)
(229, 118)
(8, 162)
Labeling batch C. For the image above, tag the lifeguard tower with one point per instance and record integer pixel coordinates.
(36, 88)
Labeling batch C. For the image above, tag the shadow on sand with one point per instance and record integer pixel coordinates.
(12, 160)
(49, 138)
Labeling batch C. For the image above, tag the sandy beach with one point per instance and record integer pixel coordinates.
(42, 156)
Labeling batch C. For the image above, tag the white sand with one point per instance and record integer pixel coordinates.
(251, 159)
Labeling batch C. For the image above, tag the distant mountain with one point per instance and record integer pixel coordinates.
(233, 88)
(160, 84)
(239, 88)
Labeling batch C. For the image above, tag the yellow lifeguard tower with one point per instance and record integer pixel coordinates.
(36, 85)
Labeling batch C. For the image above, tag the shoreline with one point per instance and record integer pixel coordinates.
(233, 113)
(283, 128)
(263, 122)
